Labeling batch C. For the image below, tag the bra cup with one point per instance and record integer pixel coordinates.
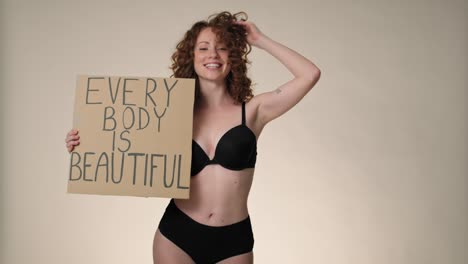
(199, 159)
(235, 149)
(253, 158)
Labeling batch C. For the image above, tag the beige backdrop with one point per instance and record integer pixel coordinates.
(373, 160)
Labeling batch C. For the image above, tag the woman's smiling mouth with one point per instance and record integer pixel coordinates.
(213, 65)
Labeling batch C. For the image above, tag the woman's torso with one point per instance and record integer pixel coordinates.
(218, 196)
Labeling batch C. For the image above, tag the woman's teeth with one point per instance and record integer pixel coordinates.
(212, 65)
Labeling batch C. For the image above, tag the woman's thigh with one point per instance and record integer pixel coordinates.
(246, 258)
(166, 252)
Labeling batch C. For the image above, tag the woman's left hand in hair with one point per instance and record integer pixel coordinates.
(254, 35)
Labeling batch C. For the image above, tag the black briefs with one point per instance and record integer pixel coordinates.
(204, 243)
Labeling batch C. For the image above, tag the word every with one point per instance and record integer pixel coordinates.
(150, 88)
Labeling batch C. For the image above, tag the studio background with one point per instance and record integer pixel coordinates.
(370, 167)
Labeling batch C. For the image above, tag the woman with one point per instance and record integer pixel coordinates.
(213, 226)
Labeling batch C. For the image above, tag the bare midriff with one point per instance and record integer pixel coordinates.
(218, 196)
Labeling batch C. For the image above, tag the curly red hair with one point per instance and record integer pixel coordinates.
(234, 37)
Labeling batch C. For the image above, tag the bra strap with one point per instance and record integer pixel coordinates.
(243, 113)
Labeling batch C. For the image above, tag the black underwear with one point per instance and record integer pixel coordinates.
(203, 243)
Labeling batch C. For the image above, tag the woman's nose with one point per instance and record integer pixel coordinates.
(213, 53)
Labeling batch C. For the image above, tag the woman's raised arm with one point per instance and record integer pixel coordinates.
(273, 104)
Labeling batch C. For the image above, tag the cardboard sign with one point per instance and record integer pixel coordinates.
(135, 136)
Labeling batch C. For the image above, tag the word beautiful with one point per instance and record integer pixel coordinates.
(153, 164)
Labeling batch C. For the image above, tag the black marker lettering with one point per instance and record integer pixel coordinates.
(124, 101)
(135, 155)
(140, 109)
(105, 165)
(91, 90)
(132, 117)
(107, 117)
(178, 176)
(169, 90)
(85, 165)
(148, 93)
(75, 154)
(159, 117)
(114, 96)
(121, 170)
(125, 139)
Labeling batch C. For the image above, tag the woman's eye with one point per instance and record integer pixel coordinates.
(224, 49)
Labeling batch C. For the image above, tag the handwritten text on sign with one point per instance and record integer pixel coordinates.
(135, 136)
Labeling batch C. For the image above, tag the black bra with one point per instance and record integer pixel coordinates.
(236, 150)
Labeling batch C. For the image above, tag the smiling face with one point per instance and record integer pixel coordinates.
(211, 58)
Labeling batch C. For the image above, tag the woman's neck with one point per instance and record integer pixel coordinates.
(213, 95)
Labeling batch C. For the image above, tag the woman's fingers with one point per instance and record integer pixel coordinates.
(72, 139)
(252, 32)
(73, 143)
(72, 132)
(70, 148)
(72, 135)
